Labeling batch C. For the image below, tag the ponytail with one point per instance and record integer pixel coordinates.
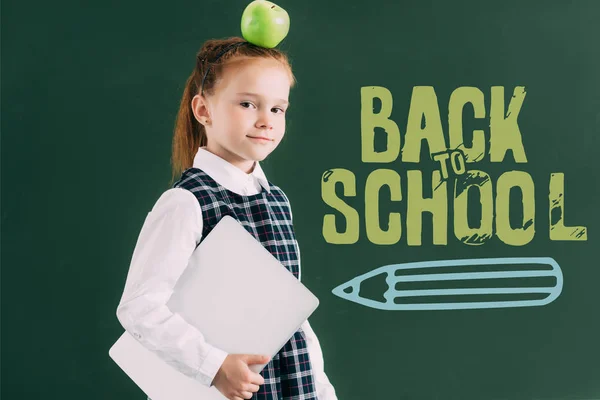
(189, 134)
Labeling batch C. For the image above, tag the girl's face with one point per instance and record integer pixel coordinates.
(246, 114)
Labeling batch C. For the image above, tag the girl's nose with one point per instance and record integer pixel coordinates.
(264, 122)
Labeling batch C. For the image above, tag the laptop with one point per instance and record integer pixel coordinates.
(229, 274)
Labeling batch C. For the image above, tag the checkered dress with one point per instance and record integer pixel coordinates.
(267, 217)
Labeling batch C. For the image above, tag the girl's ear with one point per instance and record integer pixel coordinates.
(200, 110)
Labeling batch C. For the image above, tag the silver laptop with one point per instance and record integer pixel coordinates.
(229, 274)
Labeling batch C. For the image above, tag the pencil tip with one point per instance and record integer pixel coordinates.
(345, 290)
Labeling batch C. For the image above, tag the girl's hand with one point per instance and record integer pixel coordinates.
(235, 380)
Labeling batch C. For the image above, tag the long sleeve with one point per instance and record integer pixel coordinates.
(324, 388)
(167, 239)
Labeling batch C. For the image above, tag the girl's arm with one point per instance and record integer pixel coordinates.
(324, 388)
(165, 243)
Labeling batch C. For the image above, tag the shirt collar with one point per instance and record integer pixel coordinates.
(227, 175)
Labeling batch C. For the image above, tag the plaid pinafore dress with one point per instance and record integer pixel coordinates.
(267, 217)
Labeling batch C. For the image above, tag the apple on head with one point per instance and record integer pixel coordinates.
(265, 24)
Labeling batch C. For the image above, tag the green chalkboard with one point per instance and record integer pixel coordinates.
(440, 158)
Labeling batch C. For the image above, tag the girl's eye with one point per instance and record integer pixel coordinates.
(247, 104)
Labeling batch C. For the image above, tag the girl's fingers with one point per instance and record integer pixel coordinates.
(252, 388)
(246, 395)
(257, 379)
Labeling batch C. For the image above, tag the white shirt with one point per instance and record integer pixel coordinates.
(167, 239)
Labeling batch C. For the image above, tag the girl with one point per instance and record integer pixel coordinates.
(232, 115)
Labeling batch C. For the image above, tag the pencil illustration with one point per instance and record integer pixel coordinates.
(460, 284)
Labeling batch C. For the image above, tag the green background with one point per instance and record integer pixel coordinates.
(89, 96)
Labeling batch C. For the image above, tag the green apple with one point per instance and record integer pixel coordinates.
(265, 24)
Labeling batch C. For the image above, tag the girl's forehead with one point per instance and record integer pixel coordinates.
(262, 75)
